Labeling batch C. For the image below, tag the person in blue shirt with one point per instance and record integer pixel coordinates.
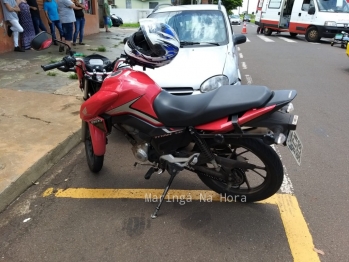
(51, 11)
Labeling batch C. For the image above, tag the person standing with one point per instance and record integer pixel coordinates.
(35, 13)
(26, 22)
(67, 17)
(79, 24)
(51, 12)
(106, 14)
(10, 9)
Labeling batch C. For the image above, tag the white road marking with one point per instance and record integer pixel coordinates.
(264, 38)
(239, 48)
(249, 79)
(241, 56)
(247, 40)
(243, 65)
(286, 186)
(287, 40)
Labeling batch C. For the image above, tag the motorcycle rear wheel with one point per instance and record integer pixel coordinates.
(95, 163)
(271, 179)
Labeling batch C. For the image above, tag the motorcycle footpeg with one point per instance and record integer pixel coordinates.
(151, 171)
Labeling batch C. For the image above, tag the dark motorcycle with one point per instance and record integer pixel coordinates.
(224, 136)
(116, 20)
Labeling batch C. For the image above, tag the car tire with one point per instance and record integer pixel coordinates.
(312, 34)
(267, 31)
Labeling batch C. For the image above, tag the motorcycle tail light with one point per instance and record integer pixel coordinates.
(289, 108)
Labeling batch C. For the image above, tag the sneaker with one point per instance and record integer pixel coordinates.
(9, 31)
(81, 43)
(55, 43)
(18, 49)
(61, 48)
(74, 44)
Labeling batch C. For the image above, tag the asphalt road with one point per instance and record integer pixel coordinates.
(44, 225)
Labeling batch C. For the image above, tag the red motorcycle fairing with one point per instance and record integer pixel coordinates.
(124, 92)
(223, 125)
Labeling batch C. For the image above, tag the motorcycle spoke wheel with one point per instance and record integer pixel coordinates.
(248, 185)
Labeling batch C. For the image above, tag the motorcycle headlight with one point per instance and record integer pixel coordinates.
(213, 83)
(330, 23)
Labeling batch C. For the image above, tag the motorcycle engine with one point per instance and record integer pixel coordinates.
(140, 150)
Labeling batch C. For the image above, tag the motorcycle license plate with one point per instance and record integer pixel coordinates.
(294, 144)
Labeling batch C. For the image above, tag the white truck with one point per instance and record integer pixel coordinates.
(313, 18)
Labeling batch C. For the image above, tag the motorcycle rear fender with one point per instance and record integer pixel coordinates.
(276, 121)
(98, 138)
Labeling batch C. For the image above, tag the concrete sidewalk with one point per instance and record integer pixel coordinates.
(39, 113)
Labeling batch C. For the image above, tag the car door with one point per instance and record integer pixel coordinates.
(234, 53)
(271, 17)
(300, 12)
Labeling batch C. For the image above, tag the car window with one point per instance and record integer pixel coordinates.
(196, 25)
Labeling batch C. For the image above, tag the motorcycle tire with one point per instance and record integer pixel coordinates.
(95, 163)
(272, 164)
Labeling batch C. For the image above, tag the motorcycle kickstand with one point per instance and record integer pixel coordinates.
(173, 173)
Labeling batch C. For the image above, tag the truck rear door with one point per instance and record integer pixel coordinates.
(271, 18)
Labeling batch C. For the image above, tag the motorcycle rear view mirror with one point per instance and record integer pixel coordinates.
(41, 41)
(125, 40)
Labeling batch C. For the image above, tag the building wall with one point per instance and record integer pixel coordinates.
(139, 4)
(91, 26)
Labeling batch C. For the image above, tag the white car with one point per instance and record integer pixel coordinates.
(235, 20)
(208, 57)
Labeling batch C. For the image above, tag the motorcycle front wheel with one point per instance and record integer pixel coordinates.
(248, 185)
(95, 163)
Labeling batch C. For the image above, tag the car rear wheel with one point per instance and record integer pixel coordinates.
(267, 31)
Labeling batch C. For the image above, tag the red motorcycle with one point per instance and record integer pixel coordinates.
(224, 136)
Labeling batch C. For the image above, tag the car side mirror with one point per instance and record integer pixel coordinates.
(41, 41)
(239, 39)
(311, 10)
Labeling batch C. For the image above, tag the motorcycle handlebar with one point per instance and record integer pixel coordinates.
(53, 66)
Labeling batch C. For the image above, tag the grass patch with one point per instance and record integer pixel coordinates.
(51, 74)
(131, 25)
(37, 73)
(101, 49)
(54, 61)
(73, 76)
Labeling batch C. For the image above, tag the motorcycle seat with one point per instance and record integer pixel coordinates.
(193, 110)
